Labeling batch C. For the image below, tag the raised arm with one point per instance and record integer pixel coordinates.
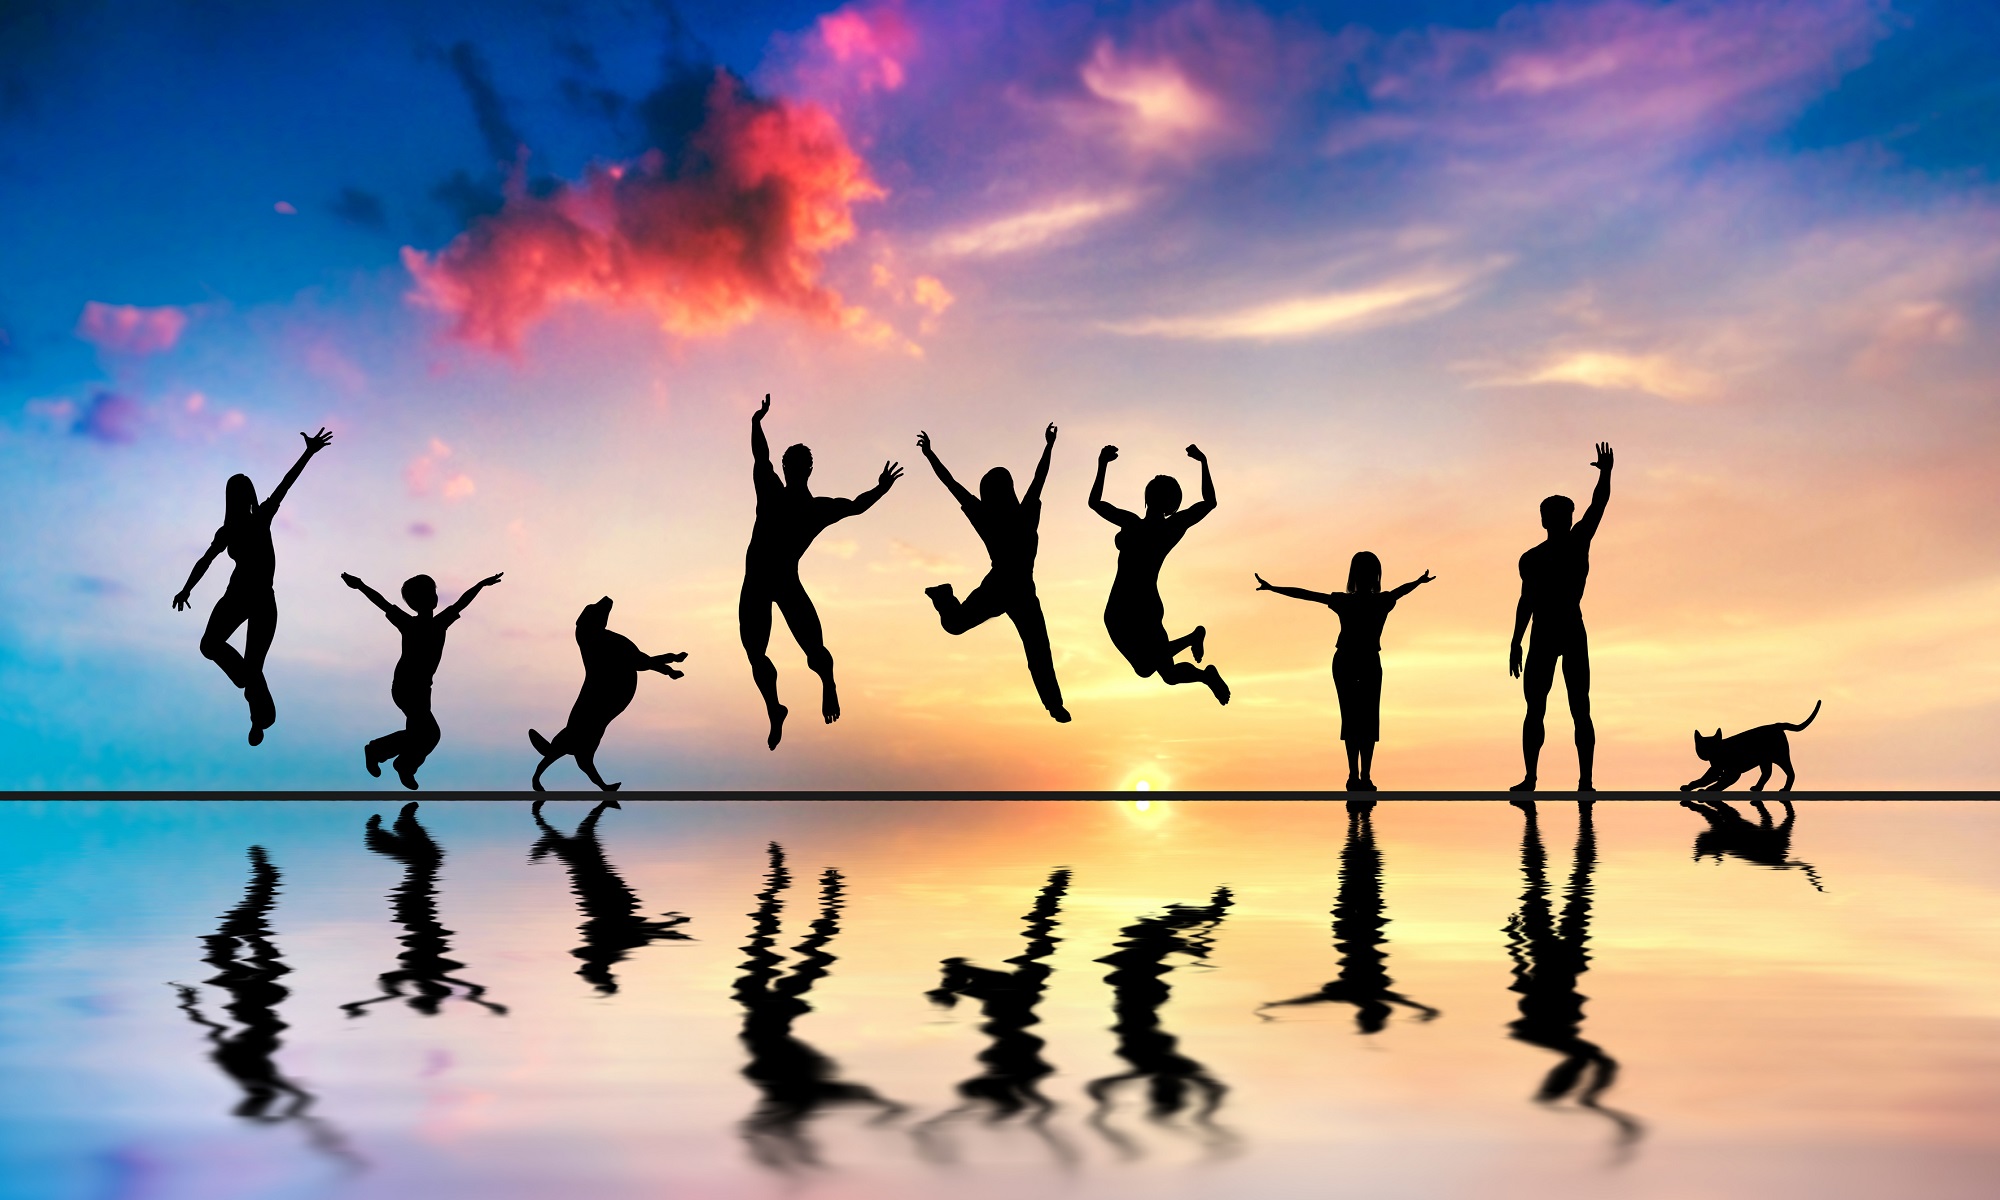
(1522, 613)
(1196, 512)
(458, 605)
(760, 449)
(1034, 492)
(1110, 512)
(374, 597)
(201, 566)
(956, 489)
(1599, 496)
(1406, 589)
(315, 442)
(1294, 593)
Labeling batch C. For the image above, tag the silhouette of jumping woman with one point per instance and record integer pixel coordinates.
(423, 631)
(611, 925)
(1552, 579)
(424, 968)
(1008, 527)
(1133, 616)
(251, 598)
(789, 517)
(1357, 656)
(611, 666)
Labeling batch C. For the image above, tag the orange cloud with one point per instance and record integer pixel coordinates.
(731, 227)
(129, 329)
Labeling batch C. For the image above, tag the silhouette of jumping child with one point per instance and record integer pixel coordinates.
(251, 598)
(1357, 656)
(1008, 527)
(1552, 579)
(1134, 614)
(611, 666)
(789, 517)
(423, 631)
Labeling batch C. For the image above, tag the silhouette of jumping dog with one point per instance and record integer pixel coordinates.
(611, 666)
(1729, 757)
(789, 517)
(1552, 579)
(423, 633)
(1357, 656)
(1763, 843)
(251, 598)
(1008, 527)
(1133, 616)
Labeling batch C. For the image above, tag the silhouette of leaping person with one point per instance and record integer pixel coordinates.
(1552, 579)
(251, 598)
(1008, 527)
(423, 631)
(789, 517)
(611, 666)
(1133, 616)
(1357, 656)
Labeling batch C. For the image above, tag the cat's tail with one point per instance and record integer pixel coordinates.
(1806, 722)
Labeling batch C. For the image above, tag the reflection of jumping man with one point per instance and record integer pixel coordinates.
(1552, 579)
(423, 631)
(789, 517)
(1008, 527)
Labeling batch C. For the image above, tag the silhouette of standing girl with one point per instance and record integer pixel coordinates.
(1134, 614)
(1357, 656)
(251, 598)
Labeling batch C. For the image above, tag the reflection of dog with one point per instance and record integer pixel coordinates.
(1729, 757)
(611, 666)
(1763, 843)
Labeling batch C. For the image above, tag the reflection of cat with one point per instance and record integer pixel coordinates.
(1729, 757)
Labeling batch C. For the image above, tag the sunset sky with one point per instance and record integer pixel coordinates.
(1393, 266)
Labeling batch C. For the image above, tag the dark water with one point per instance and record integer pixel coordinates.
(964, 1000)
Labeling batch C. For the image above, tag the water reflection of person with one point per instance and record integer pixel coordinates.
(1730, 832)
(611, 925)
(248, 968)
(1357, 934)
(425, 970)
(1550, 955)
(797, 1081)
(1174, 1082)
(1013, 1067)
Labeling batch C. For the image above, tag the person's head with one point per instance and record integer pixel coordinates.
(1558, 512)
(1163, 496)
(420, 592)
(595, 616)
(798, 464)
(1364, 574)
(997, 487)
(239, 497)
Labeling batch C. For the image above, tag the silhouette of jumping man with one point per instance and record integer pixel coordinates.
(425, 970)
(251, 598)
(1357, 656)
(611, 666)
(1008, 527)
(612, 926)
(1134, 614)
(1552, 579)
(789, 517)
(423, 632)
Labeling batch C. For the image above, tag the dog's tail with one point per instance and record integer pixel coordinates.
(1807, 721)
(542, 744)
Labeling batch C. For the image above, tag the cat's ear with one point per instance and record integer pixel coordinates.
(1718, 733)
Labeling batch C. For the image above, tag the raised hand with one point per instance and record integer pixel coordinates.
(1107, 454)
(1194, 452)
(316, 442)
(1262, 584)
(1603, 462)
(891, 472)
(923, 441)
(765, 408)
(350, 580)
(1051, 433)
(1426, 577)
(489, 581)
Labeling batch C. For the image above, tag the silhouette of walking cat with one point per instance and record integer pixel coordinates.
(423, 633)
(611, 666)
(251, 598)
(1552, 580)
(612, 924)
(1728, 758)
(1357, 656)
(1134, 615)
(1008, 527)
(789, 517)
(1730, 833)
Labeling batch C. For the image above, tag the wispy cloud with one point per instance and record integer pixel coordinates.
(1655, 374)
(1407, 298)
(1034, 228)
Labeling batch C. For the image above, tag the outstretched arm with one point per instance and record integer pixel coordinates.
(458, 605)
(844, 509)
(315, 442)
(1196, 512)
(1406, 589)
(1294, 593)
(201, 567)
(1110, 512)
(1034, 493)
(1599, 497)
(374, 597)
(956, 489)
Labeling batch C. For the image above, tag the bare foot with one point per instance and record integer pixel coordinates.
(409, 780)
(829, 705)
(256, 736)
(1197, 641)
(1216, 685)
(777, 726)
(1526, 785)
(1584, 785)
(1060, 713)
(374, 767)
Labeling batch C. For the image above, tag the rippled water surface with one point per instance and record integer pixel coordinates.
(1078, 999)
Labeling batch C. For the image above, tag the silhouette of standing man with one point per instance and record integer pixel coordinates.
(1552, 579)
(789, 517)
(1009, 528)
(423, 629)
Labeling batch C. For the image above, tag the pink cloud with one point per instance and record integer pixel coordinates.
(112, 418)
(422, 472)
(705, 243)
(869, 43)
(129, 329)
